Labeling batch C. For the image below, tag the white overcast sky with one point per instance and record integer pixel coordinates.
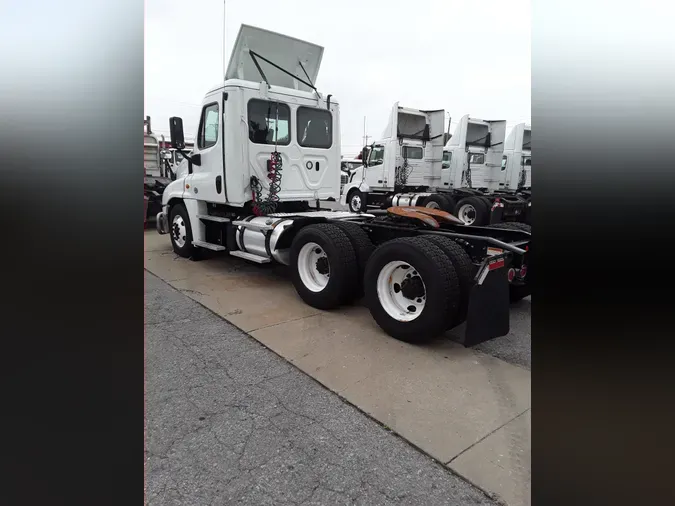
(464, 56)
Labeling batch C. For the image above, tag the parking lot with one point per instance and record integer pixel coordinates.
(467, 409)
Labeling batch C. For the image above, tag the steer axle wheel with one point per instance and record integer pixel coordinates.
(180, 231)
(324, 267)
(410, 287)
(356, 200)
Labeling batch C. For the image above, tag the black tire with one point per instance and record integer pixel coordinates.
(187, 249)
(488, 204)
(438, 276)
(343, 279)
(355, 207)
(481, 211)
(519, 292)
(513, 225)
(437, 201)
(461, 261)
(363, 248)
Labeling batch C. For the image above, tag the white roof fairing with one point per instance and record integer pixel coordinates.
(284, 51)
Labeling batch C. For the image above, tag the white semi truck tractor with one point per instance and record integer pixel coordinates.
(267, 143)
(517, 165)
(473, 175)
(410, 166)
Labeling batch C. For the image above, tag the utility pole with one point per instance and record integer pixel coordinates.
(365, 137)
(224, 53)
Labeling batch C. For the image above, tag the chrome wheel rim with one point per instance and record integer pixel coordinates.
(355, 202)
(179, 231)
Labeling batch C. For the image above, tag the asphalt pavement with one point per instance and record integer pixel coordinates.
(230, 422)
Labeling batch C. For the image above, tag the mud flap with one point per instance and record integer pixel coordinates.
(488, 312)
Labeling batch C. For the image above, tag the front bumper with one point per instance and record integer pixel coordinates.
(162, 223)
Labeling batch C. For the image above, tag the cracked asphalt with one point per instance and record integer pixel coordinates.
(229, 422)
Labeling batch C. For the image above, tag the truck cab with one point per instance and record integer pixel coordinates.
(472, 157)
(517, 159)
(406, 158)
(264, 108)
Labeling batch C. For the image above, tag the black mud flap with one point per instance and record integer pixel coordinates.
(488, 313)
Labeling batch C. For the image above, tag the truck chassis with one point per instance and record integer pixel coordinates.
(421, 271)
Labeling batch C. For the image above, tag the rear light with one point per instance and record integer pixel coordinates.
(523, 271)
(511, 274)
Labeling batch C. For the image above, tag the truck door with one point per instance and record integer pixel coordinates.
(376, 165)
(206, 182)
(436, 130)
(494, 155)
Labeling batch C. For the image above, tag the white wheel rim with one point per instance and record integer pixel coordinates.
(178, 231)
(313, 267)
(467, 213)
(395, 297)
(356, 203)
(433, 205)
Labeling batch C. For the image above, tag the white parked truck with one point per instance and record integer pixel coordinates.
(473, 175)
(409, 166)
(267, 143)
(517, 164)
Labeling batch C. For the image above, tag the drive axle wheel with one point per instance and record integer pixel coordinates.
(461, 261)
(401, 291)
(472, 211)
(323, 264)
(410, 286)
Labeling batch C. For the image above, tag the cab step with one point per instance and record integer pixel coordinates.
(208, 245)
(250, 256)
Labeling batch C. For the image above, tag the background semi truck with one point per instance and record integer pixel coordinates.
(410, 166)
(267, 143)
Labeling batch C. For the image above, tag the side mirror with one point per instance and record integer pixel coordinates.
(364, 157)
(176, 130)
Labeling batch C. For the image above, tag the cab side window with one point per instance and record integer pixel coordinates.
(315, 128)
(447, 156)
(208, 127)
(269, 122)
(376, 156)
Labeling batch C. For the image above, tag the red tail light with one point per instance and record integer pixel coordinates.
(511, 274)
(523, 271)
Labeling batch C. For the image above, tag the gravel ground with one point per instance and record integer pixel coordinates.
(230, 422)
